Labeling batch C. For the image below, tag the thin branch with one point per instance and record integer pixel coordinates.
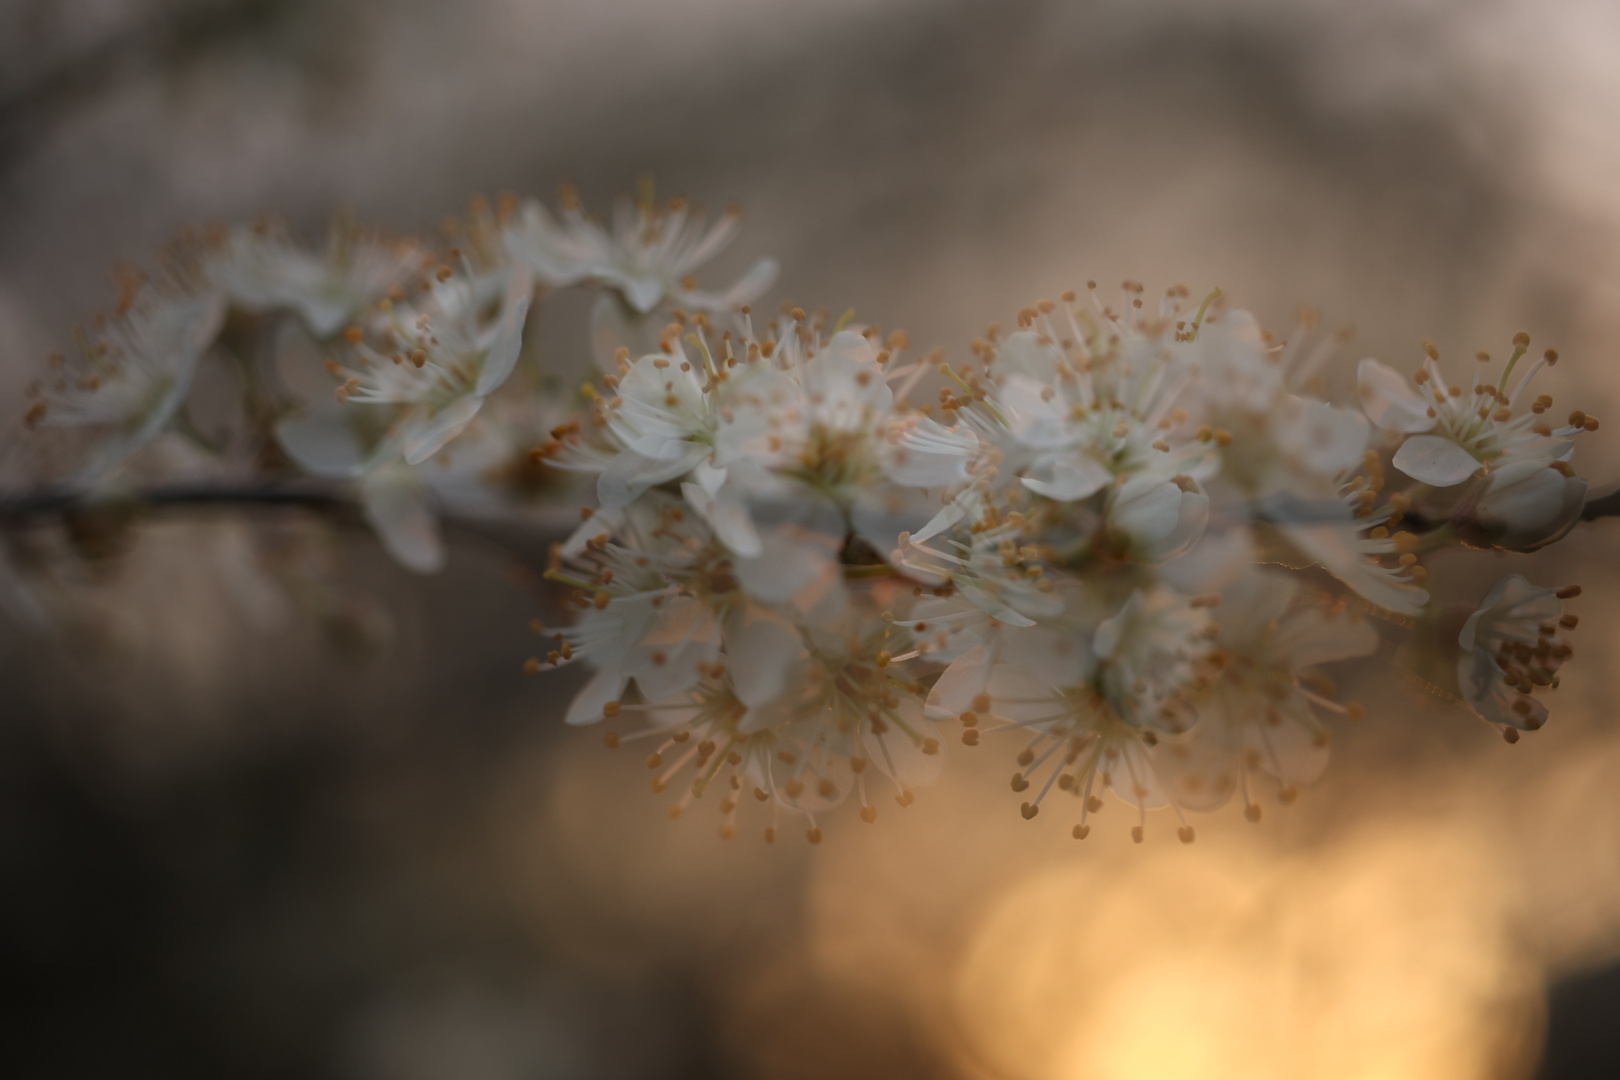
(21, 509)
(526, 540)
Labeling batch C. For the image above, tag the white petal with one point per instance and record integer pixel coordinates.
(1146, 509)
(1433, 459)
(1527, 505)
(1072, 476)
(392, 501)
(422, 441)
(1320, 437)
(1390, 401)
(708, 477)
(503, 354)
(630, 474)
(643, 292)
(761, 650)
(1334, 546)
(1317, 637)
(1218, 559)
(323, 444)
(789, 560)
(605, 686)
(959, 684)
(1030, 354)
(727, 514)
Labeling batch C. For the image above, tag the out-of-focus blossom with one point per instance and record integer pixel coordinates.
(648, 255)
(1261, 713)
(835, 718)
(440, 361)
(1094, 709)
(131, 376)
(1452, 431)
(262, 269)
(1512, 646)
(750, 420)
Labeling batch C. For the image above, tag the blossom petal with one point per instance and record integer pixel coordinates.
(422, 442)
(1389, 399)
(323, 444)
(392, 501)
(503, 353)
(629, 474)
(1433, 459)
(1527, 505)
(761, 649)
(605, 686)
(959, 684)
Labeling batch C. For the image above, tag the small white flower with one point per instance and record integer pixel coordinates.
(1280, 438)
(1454, 432)
(261, 269)
(440, 362)
(662, 640)
(1509, 648)
(669, 414)
(1094, 711)
(131, 377)
(801, 721)
(648, 256)
(1088, 409)
(1074, 407)
(1261, 712)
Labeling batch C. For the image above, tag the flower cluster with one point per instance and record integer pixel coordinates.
(1127, 541)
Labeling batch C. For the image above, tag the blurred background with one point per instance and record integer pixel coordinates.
(233, 845)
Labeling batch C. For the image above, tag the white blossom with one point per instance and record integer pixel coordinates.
(1510, 647)
(262, 269)
(1261, 713)
(439, 362)
(131, 377)
(648, 255)
(1454, 431)
(1095, 709)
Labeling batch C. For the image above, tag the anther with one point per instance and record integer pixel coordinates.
(1186, 834)
(1136, 834)
(869, 814)
(1080, 832)
(814, 835)
(1029, 810)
